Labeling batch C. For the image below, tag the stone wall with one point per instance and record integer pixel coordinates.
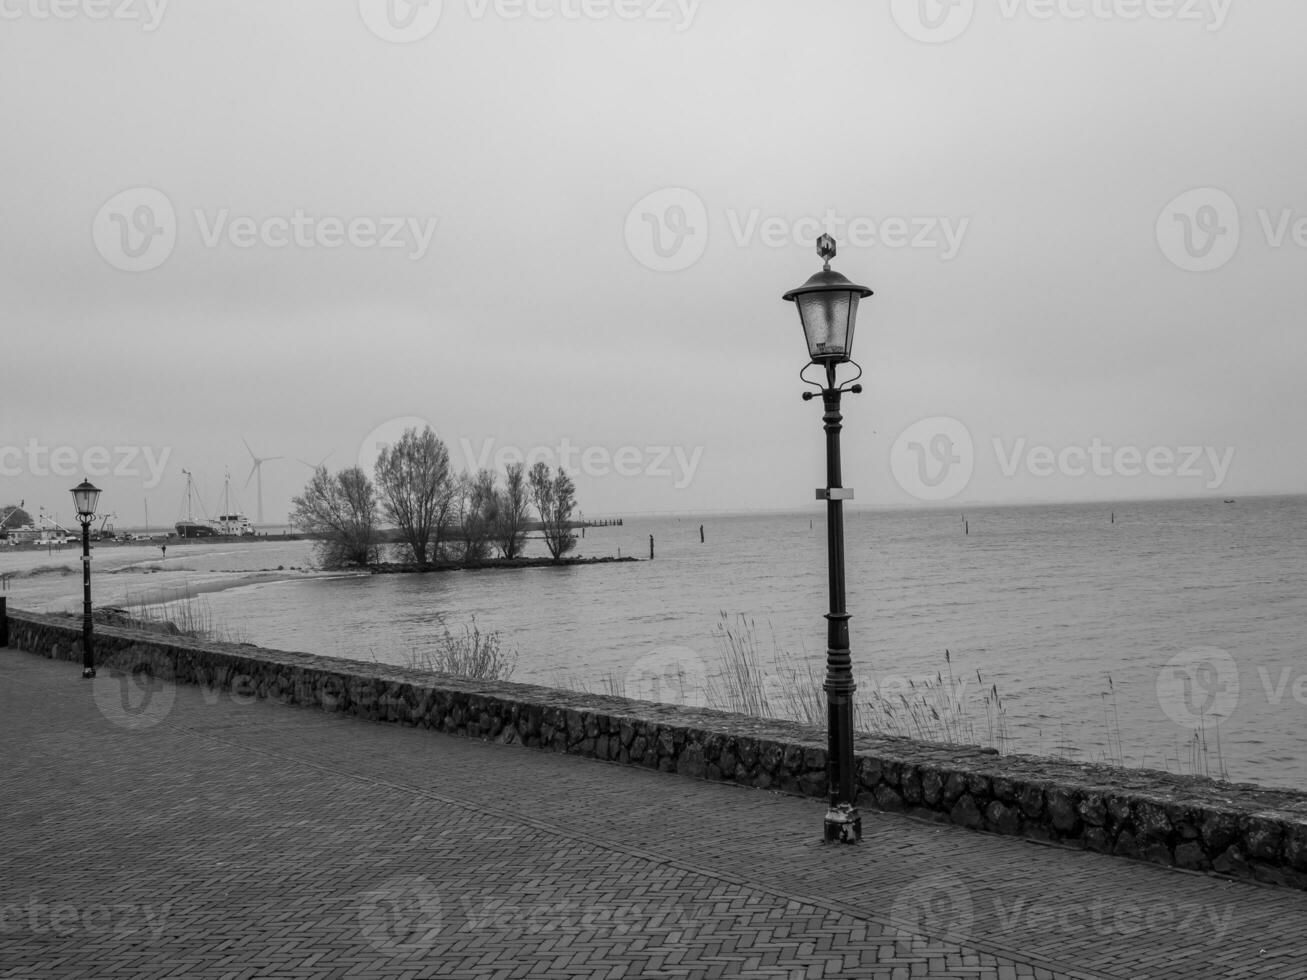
(1197, 824)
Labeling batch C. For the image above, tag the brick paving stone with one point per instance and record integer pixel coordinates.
(252, 839)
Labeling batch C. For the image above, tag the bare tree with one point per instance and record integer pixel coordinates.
(342, 511)
(414, 481)
(555, 499)
(476, 513)
(510, 512)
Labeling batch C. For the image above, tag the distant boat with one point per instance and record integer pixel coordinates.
(188, 526)
(227, 524)
(194, 529)
(1229, 501)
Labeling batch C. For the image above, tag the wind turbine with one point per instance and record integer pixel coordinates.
(321, 463)
(257, 470)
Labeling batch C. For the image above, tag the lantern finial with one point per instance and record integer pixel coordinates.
(826, 249)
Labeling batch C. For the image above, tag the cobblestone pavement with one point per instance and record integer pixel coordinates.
(178, 832)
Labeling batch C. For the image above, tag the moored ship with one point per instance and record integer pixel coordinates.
(188, 526)
(226, 524)
(194, 529)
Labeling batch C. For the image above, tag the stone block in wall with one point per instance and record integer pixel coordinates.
(792, 759)
(574, 723)
(888, 799)
(978, 785)
(692, 761)
(728, 760)
(749, 752)
(932, 787)
(1232, 861)
(869, 773)
(1030, 797)
(1126, 845)
(1003, 818)
(1191, 857)
(955, 784)
(1262, 837)
(1152, 823)
(1295, 844)
(1157, 852)
(891, 774)
(1096, 839)
(1062, 813)
(965, 813)
(1092, 809)
(813, 784)
(910, 785)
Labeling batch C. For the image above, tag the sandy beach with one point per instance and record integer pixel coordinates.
(136, 574)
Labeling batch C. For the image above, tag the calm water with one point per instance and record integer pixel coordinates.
(1046, 603)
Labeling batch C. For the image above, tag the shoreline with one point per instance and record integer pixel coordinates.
(490, 564)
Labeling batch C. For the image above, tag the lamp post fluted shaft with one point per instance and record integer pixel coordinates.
(88, 645)
(843, 824)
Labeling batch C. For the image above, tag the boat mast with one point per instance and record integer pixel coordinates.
(226, 503)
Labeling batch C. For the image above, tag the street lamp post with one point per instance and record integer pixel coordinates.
(85, 498)
(828, 310)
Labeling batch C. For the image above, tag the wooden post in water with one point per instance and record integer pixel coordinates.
(651, 547)
(701, 534)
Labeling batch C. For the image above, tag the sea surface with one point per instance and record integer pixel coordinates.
(1166, 634)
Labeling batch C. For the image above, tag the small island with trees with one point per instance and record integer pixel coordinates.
(442, 520)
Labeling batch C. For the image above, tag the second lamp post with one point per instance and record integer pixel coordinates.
(85, 498)
(828, 309)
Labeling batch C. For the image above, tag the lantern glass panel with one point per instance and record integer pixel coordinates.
(828, 318)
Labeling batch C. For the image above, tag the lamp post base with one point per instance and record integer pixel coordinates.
(843, 825)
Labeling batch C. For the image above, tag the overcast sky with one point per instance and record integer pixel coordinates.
(560, 226)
